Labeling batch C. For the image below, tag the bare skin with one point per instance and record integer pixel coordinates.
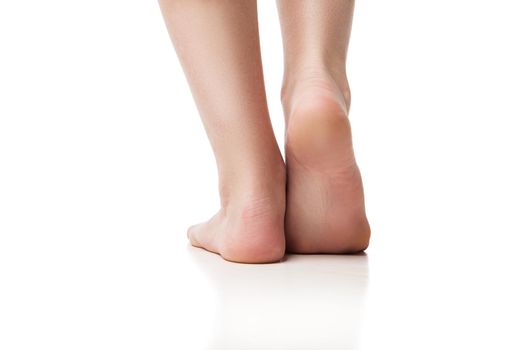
(218, 47)
(325, 210)
(324, 202)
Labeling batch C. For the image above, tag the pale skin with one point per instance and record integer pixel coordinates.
(313, 202)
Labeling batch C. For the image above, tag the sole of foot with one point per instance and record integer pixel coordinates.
(325, 211)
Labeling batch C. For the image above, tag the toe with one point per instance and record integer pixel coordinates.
(192, 235)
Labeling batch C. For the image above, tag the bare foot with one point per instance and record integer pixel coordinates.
(249, 228)
(325, 210)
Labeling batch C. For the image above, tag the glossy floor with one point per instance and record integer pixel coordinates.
(138, 293)
(307, 302)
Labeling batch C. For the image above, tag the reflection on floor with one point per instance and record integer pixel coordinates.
(305, 302)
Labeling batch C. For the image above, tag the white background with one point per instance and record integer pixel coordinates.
(104, 163)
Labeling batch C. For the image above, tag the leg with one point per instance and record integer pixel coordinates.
(325, 210)
(217, 43)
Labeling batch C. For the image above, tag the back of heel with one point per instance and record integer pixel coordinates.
(259, 236)
(319, 134)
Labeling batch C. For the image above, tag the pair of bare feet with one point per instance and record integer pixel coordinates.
(312, 204)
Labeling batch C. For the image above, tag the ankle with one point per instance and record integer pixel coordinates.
(319, 79)
(257, 186)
